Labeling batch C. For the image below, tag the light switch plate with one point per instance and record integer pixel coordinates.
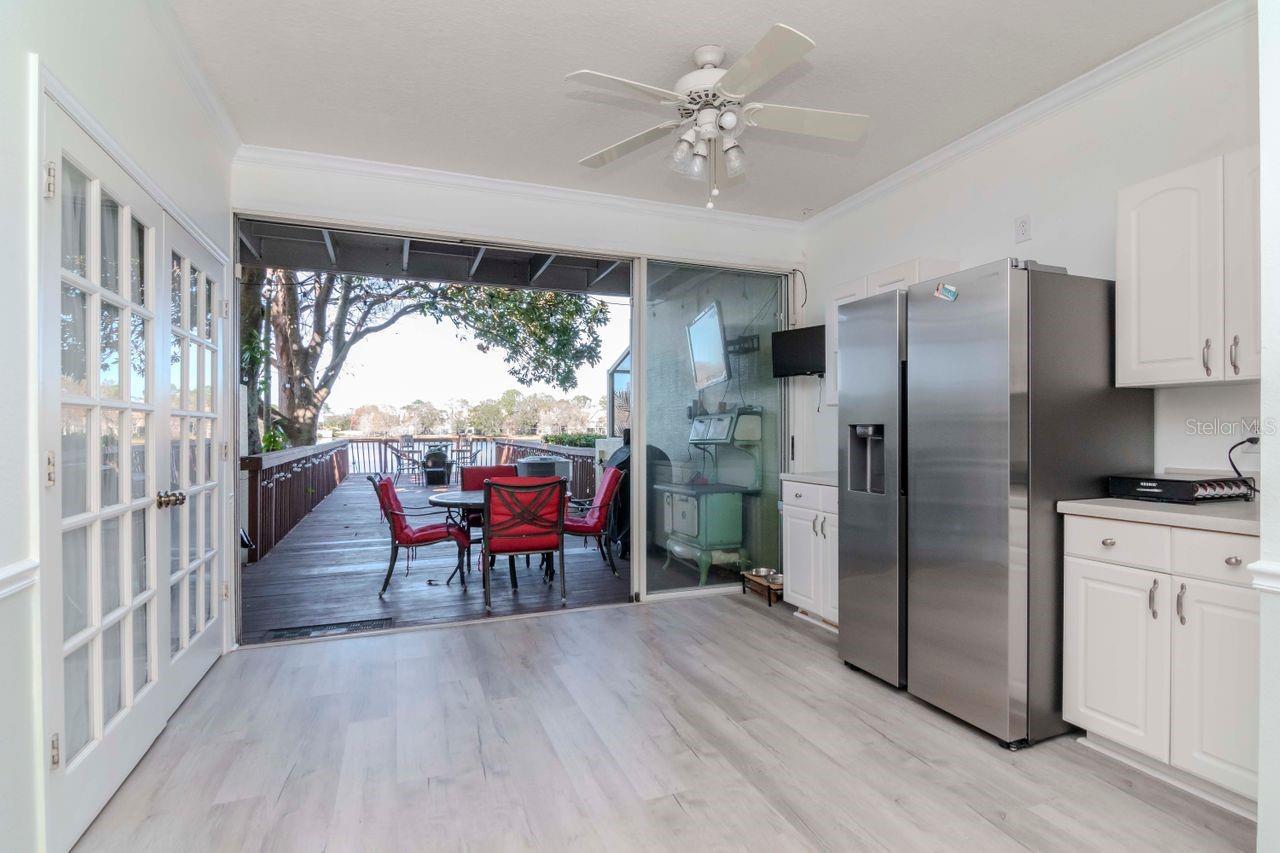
(1022, 228)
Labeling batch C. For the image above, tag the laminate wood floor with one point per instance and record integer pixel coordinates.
(329, 568)
(705, 723)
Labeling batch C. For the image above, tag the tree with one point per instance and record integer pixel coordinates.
(425, 418)
(317, 318)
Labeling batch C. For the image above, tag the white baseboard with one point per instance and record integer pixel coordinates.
(815, 620)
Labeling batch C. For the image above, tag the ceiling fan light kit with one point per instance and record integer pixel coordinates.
(712, 115)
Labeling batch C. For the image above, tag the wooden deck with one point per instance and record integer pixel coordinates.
(328, 570)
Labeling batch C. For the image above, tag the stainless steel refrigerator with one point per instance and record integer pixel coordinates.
(871, 336)
(1007, 405)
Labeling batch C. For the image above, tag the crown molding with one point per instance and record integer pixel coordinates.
(172, 34)
(330, 164)
(1152, 52)
(1266, 575)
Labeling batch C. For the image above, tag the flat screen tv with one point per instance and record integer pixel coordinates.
(800, 352)
(706, 348)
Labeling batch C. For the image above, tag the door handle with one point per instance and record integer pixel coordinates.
(1151, 599)
(1233, 562)
(1108, 542)
(1235, 354)
(814, 525)
(824, 527)
(1204, 357)
(1182, 616)
(164, 500)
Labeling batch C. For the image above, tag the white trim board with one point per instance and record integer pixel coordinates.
(18, 576)
(53, 87)
(1156, 50)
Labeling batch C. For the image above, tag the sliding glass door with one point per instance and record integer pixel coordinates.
(712, 413)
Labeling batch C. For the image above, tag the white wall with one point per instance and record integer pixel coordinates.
(341, 190)
(1063, 169)
(117, 59)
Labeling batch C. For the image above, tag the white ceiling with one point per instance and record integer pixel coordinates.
(477, 87)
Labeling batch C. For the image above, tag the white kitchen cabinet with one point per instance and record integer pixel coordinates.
(800, 556)
(1188, 288)
(1161, 645)
(810, 557)
(1214, 732)
(1242, 279)
(897, 277)
(1116, 654)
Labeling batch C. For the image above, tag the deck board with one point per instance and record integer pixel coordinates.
(329, 568)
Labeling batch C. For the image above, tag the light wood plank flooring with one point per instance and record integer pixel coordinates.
(694, 724)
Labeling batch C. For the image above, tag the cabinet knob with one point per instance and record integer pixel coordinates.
(1108, 542)
(799, 494)
(1233, 561)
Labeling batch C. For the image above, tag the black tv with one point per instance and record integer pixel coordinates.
(800, 352)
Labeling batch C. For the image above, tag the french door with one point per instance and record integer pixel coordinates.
(129, 404)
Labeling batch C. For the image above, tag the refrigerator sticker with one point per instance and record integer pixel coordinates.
(946, 291)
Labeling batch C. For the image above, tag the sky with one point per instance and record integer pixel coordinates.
(418, 358)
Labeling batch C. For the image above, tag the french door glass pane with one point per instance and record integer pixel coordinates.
(712, 479)
(175, 540)
(175, 617)
(208, 308)
(141, 647)
(208, 592)
(175, 373)
(207, 439)
(75, 340)
(192, 355)
(138, 455)
(193, 300)
(140, 580)
(75, 581)
(193, 451)
(75, 462)
(137, 264)
(175, 453)
(110, 575)
(193, 516)
(75, 220)
(193, 580)
(110, 255)
(109, 352)
(137, 358)
(110, 460)
(75, 692)
(207, 390)
(209, 498)
(175, 291)
(112, 672)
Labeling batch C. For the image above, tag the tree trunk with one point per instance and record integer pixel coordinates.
(252, 317)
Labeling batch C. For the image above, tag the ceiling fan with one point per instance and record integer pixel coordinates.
(712, 114)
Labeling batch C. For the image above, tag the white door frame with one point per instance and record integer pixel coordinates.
(72, 799)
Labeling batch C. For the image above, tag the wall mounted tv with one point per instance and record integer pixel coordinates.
(800, 352)
(707, 351)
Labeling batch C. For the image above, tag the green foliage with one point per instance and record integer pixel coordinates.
(274, 439)
(573, 439)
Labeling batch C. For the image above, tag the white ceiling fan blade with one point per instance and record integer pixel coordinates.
(626, 146)
(847, 127)
(608, 81)
(779, 49)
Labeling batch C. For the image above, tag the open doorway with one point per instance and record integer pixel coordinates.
(432, 365)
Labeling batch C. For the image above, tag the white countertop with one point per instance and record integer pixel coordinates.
(815, 478)
(1229, 517)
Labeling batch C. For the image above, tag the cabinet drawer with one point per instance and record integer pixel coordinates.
(809, 496)
(1213, 556)
(1126, 542)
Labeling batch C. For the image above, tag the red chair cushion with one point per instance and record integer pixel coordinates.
(429, 534)
(524, 514)
(591, 523)
(473, 476)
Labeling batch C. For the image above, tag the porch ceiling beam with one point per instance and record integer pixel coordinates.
(404, 257)
(610, 268)
(328, 245)
(254, 249)
(475, 264)
(541, 268)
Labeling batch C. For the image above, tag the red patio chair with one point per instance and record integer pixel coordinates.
(472, 480)
(522, 515)
(595, 520)
(405, 535)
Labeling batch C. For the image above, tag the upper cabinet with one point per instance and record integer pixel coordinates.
(897, 277)
(1187, 285)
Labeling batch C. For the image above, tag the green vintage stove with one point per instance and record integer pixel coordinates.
(703, 519)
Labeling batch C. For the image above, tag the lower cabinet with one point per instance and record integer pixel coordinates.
(1164, 663)
(810, 555)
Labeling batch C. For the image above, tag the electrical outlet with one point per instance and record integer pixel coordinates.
(1022, 228)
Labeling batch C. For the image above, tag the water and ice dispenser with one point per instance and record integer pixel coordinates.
(866, 458)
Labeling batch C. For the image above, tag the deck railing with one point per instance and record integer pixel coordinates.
(286, 485)
(582, 482)
(374, 456)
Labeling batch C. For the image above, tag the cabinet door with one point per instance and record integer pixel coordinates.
(853, 291)
(800, 557)
(1242, 280)
(896, 277)
(1169, 292)
(1116, 654)
(828, 568)
(1215, 683)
